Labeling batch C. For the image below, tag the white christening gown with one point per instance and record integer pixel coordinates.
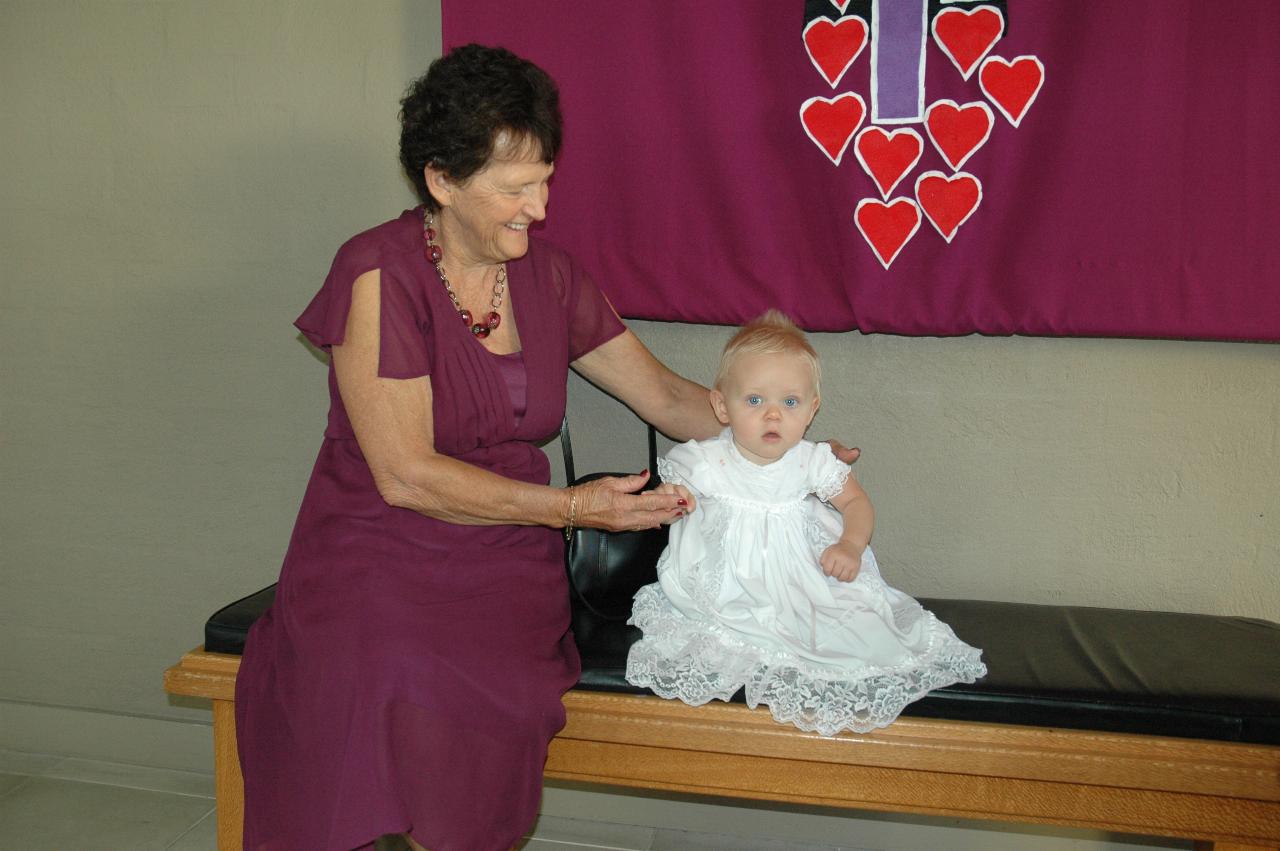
(742, 601)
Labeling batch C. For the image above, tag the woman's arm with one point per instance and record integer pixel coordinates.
(843, 559)
(626, 370)
(393, 425)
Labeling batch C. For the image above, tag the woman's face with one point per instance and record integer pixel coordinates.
(486, 218)
(768, 401)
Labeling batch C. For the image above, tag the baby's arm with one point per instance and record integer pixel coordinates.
(843, 559)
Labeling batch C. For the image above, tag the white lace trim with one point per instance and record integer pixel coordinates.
(787, 506)
(832, 485)
(667, 472)
(711, 571)
(818, 537)
(699, 661)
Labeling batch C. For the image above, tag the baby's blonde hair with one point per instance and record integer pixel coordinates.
(771, 333)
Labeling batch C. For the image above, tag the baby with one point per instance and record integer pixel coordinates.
(768, 582)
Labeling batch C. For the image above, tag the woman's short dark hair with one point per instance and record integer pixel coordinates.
(452, 115)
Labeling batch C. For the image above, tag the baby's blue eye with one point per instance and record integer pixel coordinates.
(754, 400)
(791, 401)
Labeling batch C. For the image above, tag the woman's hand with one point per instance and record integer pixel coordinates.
(612, 503)
(842, 560)
(848, 456)
(685, 499)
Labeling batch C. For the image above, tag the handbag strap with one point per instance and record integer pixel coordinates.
(582, 535)
(566, 447)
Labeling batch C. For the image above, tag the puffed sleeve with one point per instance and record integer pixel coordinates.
(403, 322)
(686, 464)
(827, 473)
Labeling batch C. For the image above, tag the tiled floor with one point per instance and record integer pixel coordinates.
(50, 803)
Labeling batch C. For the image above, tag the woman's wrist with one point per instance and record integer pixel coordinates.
(571, 511)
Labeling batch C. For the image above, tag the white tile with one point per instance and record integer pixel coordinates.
(682, 840)
(21, 762)
(552, 845)
(592, 834)
(193, 783)
(45, 814)
(202, 837)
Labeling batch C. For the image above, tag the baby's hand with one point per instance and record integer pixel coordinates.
(681, 491)
(842, 560)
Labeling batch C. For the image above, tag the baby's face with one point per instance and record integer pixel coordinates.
(768, 401)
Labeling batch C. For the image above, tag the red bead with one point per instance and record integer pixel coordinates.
(434, 253)
(430, 234)
(466, 316)
(492, 321)
(480, 331)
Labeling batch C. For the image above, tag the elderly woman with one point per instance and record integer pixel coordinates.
(408, 678)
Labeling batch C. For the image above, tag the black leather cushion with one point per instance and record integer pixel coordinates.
(1116, 670)
(227, 629)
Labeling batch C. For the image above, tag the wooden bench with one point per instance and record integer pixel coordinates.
(1225, 794)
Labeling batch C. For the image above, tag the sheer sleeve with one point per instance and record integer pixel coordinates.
(591, 319)
(403, 323)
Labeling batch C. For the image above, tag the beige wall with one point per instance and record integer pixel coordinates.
(175, 179)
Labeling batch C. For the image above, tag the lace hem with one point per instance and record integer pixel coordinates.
(696, 662)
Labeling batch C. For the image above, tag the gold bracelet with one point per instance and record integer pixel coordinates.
(573, 510)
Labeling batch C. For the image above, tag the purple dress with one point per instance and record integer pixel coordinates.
(409, 676)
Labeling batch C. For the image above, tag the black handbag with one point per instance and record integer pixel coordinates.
(606, 569)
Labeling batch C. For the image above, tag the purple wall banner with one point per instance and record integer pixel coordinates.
(915, 166)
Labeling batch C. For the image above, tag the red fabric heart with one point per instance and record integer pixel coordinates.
(1012, 86)
(967, 36)
(958, 131)
(840, 4)
(947, 202)
(832, 46)
(887, 227)
(831, 123)
(887, 157)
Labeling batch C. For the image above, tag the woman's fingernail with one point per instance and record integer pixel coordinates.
(682, 502)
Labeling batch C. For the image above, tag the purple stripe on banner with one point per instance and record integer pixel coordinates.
(897, 60)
